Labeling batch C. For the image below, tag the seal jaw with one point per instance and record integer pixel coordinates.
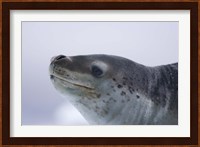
(70, 82)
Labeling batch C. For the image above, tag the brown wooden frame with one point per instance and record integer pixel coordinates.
(7, 6)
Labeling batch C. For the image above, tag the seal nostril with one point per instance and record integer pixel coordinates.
(60, 57)
(51, 76)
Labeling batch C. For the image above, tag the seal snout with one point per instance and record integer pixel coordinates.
(55, 58)
(59, 57)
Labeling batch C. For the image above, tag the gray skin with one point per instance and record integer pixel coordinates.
(112, 90)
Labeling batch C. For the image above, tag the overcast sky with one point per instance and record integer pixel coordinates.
(148, 43)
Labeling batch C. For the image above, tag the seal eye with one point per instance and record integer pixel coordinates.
(96, 71)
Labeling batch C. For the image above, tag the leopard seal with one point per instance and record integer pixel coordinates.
(112, 90)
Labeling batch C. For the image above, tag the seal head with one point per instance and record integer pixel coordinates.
(113, 90)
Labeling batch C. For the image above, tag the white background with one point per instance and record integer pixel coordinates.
(148, 43)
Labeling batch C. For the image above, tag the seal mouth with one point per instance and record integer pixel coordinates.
(70, 82)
